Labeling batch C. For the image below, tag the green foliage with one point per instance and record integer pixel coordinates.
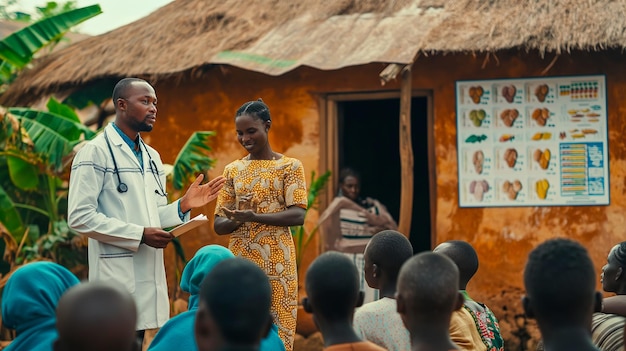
(18, 49)
(53, 8)
(53, 135)
(302, 237)
(192, 159)
(92, 93)
(50, 9)
(37, 148)
(7, 14)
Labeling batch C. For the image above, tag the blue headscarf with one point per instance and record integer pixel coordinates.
(178, 332)
(29, 302)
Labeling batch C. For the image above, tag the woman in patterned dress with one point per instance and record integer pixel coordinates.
(264, 194)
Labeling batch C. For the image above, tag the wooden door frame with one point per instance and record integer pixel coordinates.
(329, 142)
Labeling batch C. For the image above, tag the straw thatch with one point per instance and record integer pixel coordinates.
(276, 36)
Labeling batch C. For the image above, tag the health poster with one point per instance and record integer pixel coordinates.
(532, 142)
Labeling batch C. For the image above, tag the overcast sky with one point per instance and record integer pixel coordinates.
(115, 13)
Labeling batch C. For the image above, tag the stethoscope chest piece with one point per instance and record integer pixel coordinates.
(122, 188)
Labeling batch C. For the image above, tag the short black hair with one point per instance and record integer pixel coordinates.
(122, 86)
(332, 285)
(257, 109)
(238, 296)
(96, 311)
(463, 255)
(430, 282)
(348, 172)
(389, 249)
(560, 281)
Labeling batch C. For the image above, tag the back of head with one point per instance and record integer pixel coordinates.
(389, 250)
(428, 286)
(332, 286)
(463, 255)
(96, 316)
(198, 267)
(560, 284)
(30, 297)
(257, 109)
(237, 297)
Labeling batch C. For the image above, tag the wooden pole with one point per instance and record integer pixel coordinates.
(406, 154)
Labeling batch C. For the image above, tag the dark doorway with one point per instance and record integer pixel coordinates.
(369, 143)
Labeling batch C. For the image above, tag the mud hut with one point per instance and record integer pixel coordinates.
(374, 84)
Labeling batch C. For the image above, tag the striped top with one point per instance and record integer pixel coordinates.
(608, 331)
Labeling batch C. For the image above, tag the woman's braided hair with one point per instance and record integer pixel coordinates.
(256, 109)
(620, 253)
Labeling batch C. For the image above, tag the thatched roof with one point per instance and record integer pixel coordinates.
(276, 36)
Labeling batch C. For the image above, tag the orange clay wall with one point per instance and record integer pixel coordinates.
(502, 237)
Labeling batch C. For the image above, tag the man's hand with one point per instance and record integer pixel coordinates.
(199, 195)
(156, 237)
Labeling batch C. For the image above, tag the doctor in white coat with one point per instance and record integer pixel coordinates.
(117, 198)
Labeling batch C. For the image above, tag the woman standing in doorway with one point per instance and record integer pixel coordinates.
(265, 193)
(349, 222)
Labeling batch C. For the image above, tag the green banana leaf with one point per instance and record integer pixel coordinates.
(68, 128)
(23, 174)
(19, 48)
(60, 109)
(9, 216)
(50, 144)
(192, 159)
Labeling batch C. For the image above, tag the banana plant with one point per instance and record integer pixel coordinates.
(18, 49)
(36, 148)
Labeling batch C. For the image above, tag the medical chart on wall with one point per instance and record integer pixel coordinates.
(532, 142)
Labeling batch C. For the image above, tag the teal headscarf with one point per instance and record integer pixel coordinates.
(198, 267)
(29, 302)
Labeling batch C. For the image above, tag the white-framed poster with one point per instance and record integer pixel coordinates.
(532, 142)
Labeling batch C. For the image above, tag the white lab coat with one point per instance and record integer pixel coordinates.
(114, 221)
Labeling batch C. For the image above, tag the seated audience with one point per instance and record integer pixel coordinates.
(428, 294)
(332, 287)
(234, 311)
(175, 334)
(560, 294)
(379, 321)
(97, 316)
(29, 300)
(473, 327)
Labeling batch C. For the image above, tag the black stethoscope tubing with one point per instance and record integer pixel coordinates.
(122, 187)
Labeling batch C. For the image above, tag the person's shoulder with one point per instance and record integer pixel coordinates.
(290, 161)
(90, 147)
(376, 307)
(235, 165)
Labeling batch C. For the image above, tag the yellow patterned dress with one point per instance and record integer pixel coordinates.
(275, 185)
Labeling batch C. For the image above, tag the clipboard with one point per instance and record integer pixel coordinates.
(187, 226)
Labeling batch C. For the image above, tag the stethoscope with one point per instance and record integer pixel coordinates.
(122, 187)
